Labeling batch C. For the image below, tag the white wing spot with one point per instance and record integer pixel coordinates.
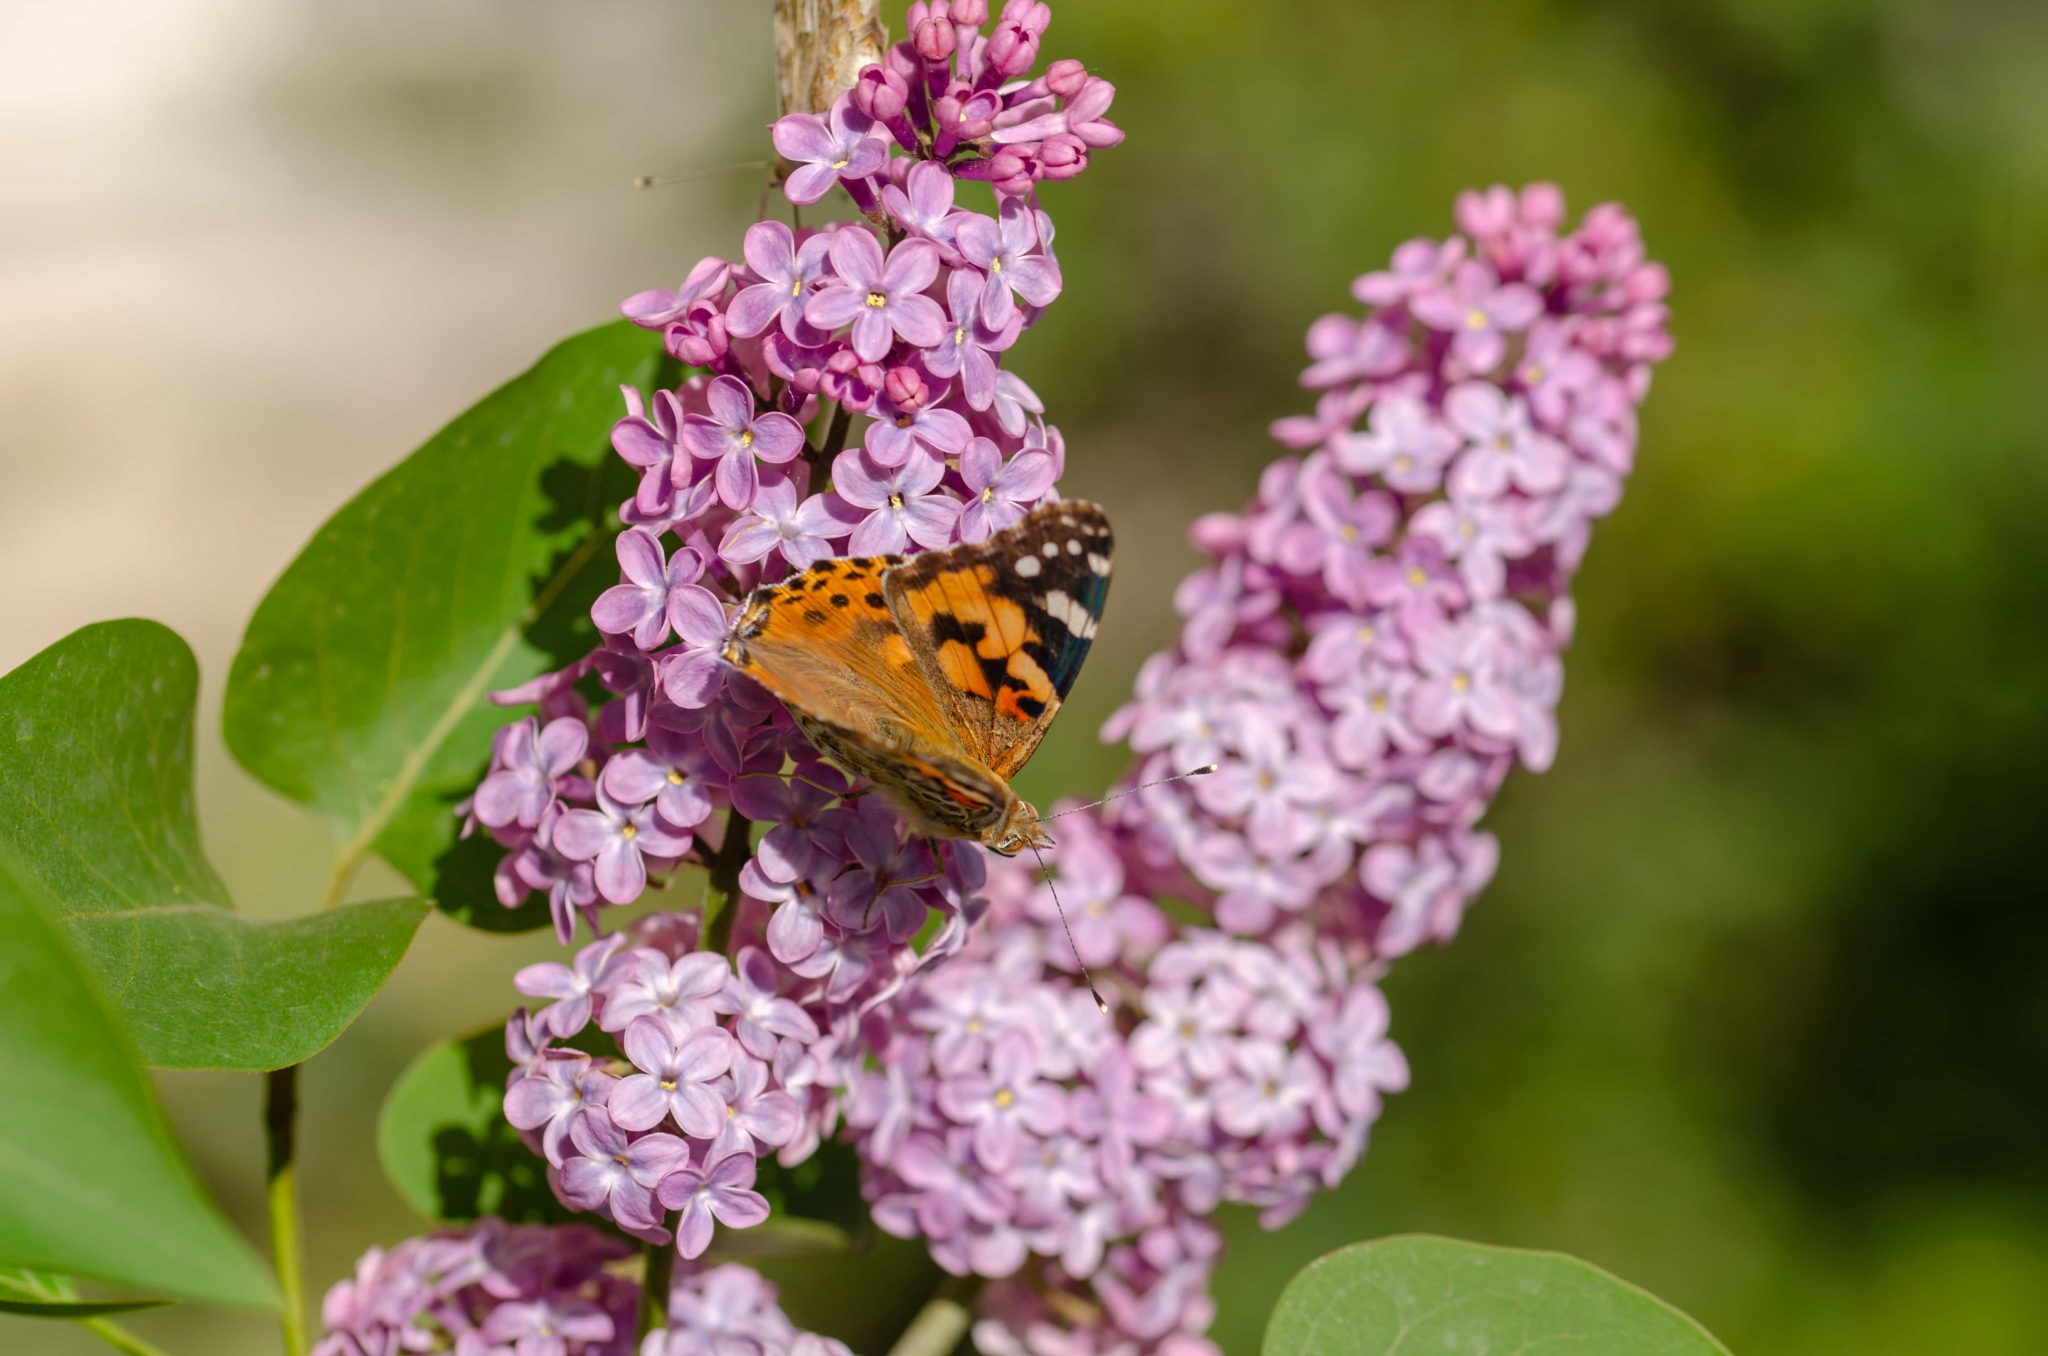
(1099, 564)
(1070, 614)
(1049, 550)
(1074, 547)
(1028, 566)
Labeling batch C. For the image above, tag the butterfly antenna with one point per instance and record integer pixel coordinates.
(653, 181)
(1045, 874)
(1202, 771)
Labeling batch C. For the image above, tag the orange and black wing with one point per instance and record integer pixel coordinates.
(825, 643)
(1000, 628)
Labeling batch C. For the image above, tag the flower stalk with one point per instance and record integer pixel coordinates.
(654, 1288)
(943, 1321)
(280, 1117)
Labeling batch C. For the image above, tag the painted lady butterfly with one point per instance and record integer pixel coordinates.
(935, 677)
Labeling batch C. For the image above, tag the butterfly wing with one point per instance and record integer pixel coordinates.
(825, 643)
(1000, 628)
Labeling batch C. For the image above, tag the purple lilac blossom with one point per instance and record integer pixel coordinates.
(496, 1289)
(491, 1289)
(1373, 645)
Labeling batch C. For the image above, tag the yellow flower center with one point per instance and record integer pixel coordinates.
(796, 289)
(1378, 702)
(668, 1085)
(841, 164)
(1367, 635)
(878, 299)
(1004, 1097)
(1533, 373)
(1475, 319)
(630, 831)
(995, 265)
(1417, 575)
(746, 437)
(675, 778)
(895, 501)
(960, 335)
(1461, 682)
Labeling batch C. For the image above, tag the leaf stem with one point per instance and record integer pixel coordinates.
(654, 1287)
(280, 1116)
(722, 900)
(119, 1338)
(942, 1322)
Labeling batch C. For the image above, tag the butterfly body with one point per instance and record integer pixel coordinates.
(935, 677)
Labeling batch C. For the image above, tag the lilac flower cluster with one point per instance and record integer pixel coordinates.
(490, 1290)
(957, 95)
(1025, 1137)
(846, 394)
(495, 1289)
(1375, 642)
(1377, 638)
(715, 1070)
(731, 1311)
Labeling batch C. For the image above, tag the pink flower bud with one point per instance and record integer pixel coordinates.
(1011, 52)
(905, 389)
(970, 13)
(1065, 78)
(1010, 172)
(881, 94)
(1062, 155)
(934, 40)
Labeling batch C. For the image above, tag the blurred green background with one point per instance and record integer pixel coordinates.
(1756, 1014)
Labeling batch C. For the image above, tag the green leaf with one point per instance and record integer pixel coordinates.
(1422, 1296)
(96, 804)
(42, 1294)
(360, 687)
(91, 1182)
(72, 1310)
(446, 1145)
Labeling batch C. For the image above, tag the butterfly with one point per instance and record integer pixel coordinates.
(935, 677)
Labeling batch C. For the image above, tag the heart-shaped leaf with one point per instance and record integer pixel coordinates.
(1425, 1296)
(96, 804)
(91, 1182)
(470, 566)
